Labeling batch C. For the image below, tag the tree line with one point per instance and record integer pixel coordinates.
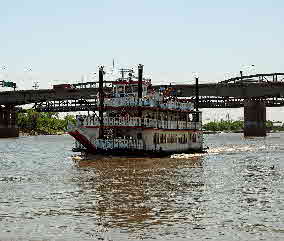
(43, 123)
(224, 125)
(229, 125)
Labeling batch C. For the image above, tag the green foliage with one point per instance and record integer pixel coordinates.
(224, 126)
(8, 84)
(47, 123)
(229, 125)
(276, 126)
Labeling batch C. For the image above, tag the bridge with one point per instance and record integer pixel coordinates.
(252, 86)
(254, 92)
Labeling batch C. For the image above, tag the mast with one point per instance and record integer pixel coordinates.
(101, 103)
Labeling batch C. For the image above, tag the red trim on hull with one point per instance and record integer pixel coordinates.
(83, 140)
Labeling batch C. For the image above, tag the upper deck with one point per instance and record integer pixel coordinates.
(130, 91)
(149, 102)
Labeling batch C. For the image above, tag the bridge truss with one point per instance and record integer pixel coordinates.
(237, 102)
(256, 78)
(204, 102)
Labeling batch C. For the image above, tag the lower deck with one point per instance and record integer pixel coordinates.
(144, 141)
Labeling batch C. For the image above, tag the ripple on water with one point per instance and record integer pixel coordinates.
(233, 192)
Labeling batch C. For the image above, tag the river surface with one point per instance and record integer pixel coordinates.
(234, 192)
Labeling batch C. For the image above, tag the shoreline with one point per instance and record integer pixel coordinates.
(23, 133)
(227, 132)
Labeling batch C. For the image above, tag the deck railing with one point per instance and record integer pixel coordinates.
(140, 122)
(131, 144)
(119, 144)
(78, 146)
(134, 101)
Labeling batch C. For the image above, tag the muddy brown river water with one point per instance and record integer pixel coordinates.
(234, 192)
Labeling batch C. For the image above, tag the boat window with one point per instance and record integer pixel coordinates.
(195, 117)
(189, 118)
(169, 138)
(156, 138)
(193, 137)
(134, 88)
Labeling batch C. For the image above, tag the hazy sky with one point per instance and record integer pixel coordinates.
(61, 40)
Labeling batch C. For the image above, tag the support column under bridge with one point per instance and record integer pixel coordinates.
(8, 127)
(254, 118)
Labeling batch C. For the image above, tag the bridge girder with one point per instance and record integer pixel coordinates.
(204, 102)
(251, 86)
(256, 78)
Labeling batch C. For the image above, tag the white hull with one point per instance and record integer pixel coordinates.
(153, 140)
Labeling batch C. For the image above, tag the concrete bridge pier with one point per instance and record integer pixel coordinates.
(8, 127)
(254, 118)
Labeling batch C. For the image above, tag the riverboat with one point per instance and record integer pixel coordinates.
(132, 118)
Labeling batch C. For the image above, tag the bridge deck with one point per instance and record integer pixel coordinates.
(267, 86)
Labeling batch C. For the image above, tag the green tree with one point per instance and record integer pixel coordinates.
(223, 125)
(43, 123)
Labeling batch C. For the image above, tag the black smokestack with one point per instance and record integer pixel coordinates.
(101, 101)
(140, 78)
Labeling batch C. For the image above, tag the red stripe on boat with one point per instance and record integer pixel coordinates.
(83, 140)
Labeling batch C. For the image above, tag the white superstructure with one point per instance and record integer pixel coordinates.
(135, 119)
